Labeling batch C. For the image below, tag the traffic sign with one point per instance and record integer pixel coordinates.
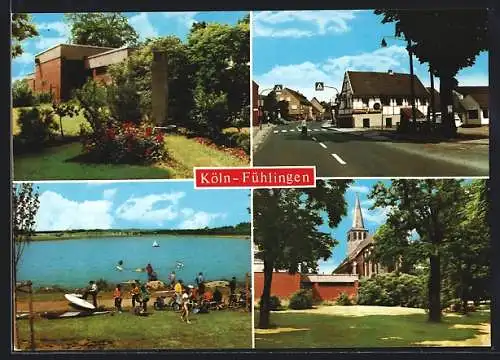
(278, 88)
(320, 86)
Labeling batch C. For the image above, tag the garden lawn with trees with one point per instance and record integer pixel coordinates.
(107, 131)
(436, 239)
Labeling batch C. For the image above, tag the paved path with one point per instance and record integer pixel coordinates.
(343, 153)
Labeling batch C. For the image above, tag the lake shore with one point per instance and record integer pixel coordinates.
(99, 235)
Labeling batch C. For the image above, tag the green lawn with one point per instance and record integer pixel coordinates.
(59, 163)
(160, 330)
(305, 330)
(62, 162)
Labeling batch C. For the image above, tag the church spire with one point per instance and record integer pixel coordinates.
(357, 221)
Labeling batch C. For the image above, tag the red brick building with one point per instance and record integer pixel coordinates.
(64, 67)
(255, 104)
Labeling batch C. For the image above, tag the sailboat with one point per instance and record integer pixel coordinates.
(155, 244)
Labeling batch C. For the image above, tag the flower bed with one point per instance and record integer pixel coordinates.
(124, 143)
(236, 152)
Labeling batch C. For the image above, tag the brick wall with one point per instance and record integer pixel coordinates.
(283, 284)
(331, 291)
(48, 77)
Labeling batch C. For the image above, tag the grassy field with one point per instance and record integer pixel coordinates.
(63, 162)
(313, 330)
(160, 330)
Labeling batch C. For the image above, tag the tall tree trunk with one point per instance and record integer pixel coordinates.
(433, 98)
(412, 85)
(446, 96)
(266, 295)
(435, 288)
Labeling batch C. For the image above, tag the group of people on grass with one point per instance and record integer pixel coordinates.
(185, 296)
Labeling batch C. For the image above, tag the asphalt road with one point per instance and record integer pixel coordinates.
(340, 154)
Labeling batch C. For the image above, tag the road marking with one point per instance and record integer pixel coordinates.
(323, 145)
(339, 159)
(314, 138)
(323, 129)
(292, 130)
(316, 129)
(283, 131)
(276, 131)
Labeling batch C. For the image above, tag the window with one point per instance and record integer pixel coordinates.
(100, 70)
(294, 107)
(366, 123)
(399, 101)
(388, 122)
(365, 101)
(472, 114)
(385, 100)
(485, 113)
(288, 98)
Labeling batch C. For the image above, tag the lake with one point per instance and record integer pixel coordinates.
(72, 263)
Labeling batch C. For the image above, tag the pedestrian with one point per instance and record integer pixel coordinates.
(117, 295)
(135, 292)
(178, 291)
(145, 295)
(149, 271)
(91, 290)
(185, 306)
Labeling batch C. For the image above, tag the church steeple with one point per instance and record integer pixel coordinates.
(357, 233)
(357, 221)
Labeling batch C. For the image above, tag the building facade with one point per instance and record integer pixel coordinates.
(318, 110)
(298, 105)
(375, 99)
(475, 102)
(63, 68)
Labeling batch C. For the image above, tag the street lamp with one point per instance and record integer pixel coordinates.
(412, 80)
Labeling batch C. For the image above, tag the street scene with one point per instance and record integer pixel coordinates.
(375, 103)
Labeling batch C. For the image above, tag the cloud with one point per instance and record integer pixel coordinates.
(143, 208)
(359, 189)
(301, 77)
(184, 18)
(143, 26)
(301, 23)
(109, 194)
(44, 43)
(199, 219)
(60, 27)
(58, 213)
(24, 58)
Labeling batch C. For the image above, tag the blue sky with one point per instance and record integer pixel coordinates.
(144, 205)
(298, 48)
(372, 219)
(53, 30)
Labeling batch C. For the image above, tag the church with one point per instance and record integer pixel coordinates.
(359, 247)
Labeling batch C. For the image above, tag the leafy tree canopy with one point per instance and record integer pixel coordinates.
(22, 29)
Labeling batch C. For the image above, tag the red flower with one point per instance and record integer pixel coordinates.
(110, 133)
(149, 131)
(159, 137)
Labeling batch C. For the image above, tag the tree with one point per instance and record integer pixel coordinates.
(136, 70)
(220, 54)
(101, 29)
(25, 206)
(428, 207)
(462, 32)
(466, 268)
(286, 231)
(22, 29)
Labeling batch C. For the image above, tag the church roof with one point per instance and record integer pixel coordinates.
(357, 221)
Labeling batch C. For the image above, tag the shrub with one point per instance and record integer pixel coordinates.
(343, 299)
(125, 102)
(92, 98)
(124, 143)
(239, 139)
(302, 299)
(22, 94)
(43, 98)
(210, 113)
(36, 125)
(393, 290)
(274, 303)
